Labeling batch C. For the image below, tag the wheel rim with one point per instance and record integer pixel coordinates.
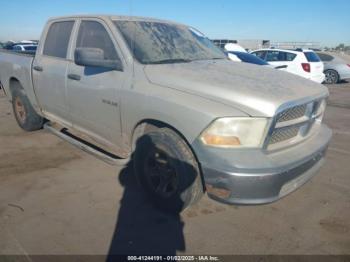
(160, 173)
(20, 110)
(331, 77)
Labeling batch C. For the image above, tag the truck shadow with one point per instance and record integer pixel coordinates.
(141, 229)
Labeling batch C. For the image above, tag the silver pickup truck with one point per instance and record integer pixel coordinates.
(162, 95)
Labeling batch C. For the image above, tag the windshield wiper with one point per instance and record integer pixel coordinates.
(219, 58)
(213, 58)
(170, 61)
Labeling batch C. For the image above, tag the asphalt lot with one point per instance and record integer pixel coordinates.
(55, 199)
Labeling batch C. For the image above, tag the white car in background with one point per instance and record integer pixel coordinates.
(25, 48)
(304, 63)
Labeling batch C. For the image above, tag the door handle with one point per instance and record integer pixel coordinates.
(38, 68)
(74, 77)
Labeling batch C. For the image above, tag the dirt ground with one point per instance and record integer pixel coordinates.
(55, 199)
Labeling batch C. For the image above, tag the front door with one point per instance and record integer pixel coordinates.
(93, 93)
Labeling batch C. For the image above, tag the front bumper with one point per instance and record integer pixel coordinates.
(269, 176)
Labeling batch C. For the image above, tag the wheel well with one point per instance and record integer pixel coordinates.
(331, 70)
(14, 84)
(149, 125)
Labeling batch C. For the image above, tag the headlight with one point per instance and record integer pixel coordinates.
(236, 132)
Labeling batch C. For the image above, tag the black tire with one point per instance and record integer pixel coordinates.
(332, 77)
(24, 112)
(167, 169)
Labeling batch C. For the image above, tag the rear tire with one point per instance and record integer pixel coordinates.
(332, 77)
(167, 169)
(24, 112)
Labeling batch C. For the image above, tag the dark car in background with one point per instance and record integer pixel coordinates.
(335, 68)
(246, 58)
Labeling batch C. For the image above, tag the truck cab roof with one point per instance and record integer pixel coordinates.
(115, 17)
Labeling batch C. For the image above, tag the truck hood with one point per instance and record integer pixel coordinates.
(255, 90)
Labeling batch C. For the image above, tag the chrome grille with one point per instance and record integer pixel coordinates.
(293, 123)
(284, 134)
(292, 113)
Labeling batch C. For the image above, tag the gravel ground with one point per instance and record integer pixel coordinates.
(55, 199)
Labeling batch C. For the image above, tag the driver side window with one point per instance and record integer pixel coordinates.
(93, 35)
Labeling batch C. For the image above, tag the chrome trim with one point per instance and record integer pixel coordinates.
(308, 120)
(294, 122)
(94, 150)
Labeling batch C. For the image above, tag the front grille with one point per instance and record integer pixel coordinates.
(283, 134)
(293, 123)
(292, 113)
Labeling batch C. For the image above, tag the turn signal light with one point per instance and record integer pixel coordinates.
(210, 139)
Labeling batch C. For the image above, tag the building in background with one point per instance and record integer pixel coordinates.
(295, 45)
(222, 42)
(251, 44)
(254, 44)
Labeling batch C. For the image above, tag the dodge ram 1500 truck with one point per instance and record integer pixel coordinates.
(160, 93)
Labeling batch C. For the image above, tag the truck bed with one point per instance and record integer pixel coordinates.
(17, 66)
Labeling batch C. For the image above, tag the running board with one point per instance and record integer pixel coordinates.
(87, 147)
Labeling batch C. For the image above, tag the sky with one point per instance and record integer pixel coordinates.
(322, 21)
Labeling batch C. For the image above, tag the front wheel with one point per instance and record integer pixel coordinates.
(168, 170)
(24, 112)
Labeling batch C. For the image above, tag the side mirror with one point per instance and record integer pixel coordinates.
(95, 57)
(281, 67)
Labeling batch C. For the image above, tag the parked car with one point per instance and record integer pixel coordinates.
(10, 45)
(191, 120)
(335, 68)
(304, 63)
(25, 48)
(247, 58)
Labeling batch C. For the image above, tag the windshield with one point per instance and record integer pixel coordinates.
(249, 58)
(157, 43)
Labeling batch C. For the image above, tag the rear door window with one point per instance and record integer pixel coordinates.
(312, 57)
(280, 56)
(92, 34)
(57, 39)
(290, 57)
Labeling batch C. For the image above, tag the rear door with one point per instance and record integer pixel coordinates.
(277, 58)
(50, 70)
(94, 93)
